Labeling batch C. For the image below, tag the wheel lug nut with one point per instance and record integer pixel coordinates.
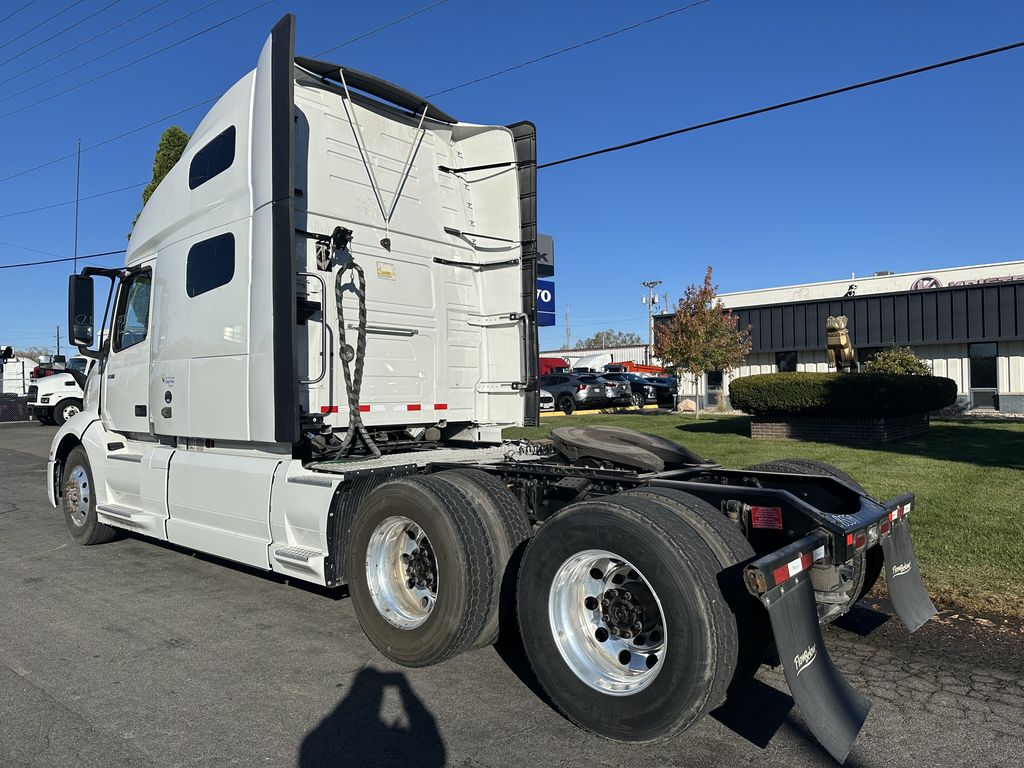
(627, 634)
(611, 594)
(590, 603)
(605, 603)
(626, 595)
(637, 626)
(604, 617)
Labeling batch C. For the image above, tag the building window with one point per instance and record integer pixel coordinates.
(785, 362)
(131, 320)
(210, 264)
(216, 157)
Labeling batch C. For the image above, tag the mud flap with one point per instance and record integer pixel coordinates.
(832, 709)
(906, 589)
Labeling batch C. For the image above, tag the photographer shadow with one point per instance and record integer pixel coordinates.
(355, 732)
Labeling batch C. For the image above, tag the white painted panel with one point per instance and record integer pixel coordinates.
(220, 503)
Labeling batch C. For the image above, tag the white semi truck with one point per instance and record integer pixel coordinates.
(324, 322)
(58, 397)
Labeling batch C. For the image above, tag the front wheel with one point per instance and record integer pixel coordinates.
(78, 498)
(622, 620)
(638, 400)
(567, 405)
(65, 410)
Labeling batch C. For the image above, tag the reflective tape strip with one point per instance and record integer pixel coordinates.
(818, 554)
(414, 407)
(328, 409)
(793, 567)
(440, 406)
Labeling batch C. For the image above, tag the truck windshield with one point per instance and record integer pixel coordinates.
(77, 364)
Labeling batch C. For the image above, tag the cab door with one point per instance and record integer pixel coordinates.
(125, 376)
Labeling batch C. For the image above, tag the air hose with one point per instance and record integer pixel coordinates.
(349, 357)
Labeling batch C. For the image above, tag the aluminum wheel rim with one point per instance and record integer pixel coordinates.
(70, 411)
(76, 495)
(398, 558)
(587, 623)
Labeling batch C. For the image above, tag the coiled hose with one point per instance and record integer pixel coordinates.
(354, 375)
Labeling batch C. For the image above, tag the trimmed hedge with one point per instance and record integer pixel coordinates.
(834, 394)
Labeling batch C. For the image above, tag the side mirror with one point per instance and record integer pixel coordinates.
(80, 311)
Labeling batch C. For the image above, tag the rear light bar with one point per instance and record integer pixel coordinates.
(776, 569)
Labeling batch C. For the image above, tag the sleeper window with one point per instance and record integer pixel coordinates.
(210, 264)
(216, 157)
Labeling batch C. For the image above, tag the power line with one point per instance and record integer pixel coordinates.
(573, 47)
(48, 19)
(107, 31)
(18, 10)
(132, 63)
(57, 261)
(203, 103)
(72, 202)
(58, 34)
(26, 248)
(424, 9)
(784, 104)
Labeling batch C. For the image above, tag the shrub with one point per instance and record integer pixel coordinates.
(898, 360)
(835, 394)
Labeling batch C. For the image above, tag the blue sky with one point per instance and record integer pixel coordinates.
(917, 174)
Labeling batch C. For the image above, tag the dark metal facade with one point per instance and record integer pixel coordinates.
(987, 312)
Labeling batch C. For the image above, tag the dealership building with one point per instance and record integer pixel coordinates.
(968, 322)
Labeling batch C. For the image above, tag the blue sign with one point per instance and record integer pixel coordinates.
(545, 302)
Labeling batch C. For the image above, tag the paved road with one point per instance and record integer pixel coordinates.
(138, 654)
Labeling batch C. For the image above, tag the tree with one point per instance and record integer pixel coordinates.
(610, 338)
(172, 144)
(901, 360)
(702, 335)
(32, 353)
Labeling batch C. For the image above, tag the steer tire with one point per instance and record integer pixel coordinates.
(463, 552)
(867, 565)
(698, 658)
(733, 552)
(82, 523)
(68, 404)
(508, 527)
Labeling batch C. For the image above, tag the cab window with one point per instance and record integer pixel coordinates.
(131, 320)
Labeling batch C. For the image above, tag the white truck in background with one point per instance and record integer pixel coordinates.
(325, 320)
(58, 397)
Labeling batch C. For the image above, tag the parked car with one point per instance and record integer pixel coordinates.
(666, 388)
(547, 401)
(578, 390)
(644, 391)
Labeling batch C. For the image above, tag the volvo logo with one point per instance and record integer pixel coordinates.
(924, 283)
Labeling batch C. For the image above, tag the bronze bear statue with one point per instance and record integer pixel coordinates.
(841, 355)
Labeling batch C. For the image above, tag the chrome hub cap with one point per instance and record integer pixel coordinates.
(76, 495)
(69, 411)
(607, 622)
(401, 572)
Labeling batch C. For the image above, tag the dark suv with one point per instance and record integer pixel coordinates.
(646, 390)
(582, 390)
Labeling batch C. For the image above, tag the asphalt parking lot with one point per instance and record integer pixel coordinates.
(139, 654)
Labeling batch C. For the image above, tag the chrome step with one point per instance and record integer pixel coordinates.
(116, 510)
(299, 556)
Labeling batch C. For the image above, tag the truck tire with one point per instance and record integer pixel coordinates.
(567, 404)
(508, 527)
(732, 551)
(79, 501)
(867, 565)
(65, 410)
(622, 619)
(420, 570)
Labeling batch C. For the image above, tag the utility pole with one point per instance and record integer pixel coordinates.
(568, 333)
(649, 300)
(78, 179)
(58, 338)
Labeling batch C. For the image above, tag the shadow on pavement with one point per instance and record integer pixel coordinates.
(756, 714)
(861, 620)
(355, 733)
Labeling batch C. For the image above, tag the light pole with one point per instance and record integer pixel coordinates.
(649, 300)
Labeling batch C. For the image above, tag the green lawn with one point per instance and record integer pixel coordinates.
(968, 524)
